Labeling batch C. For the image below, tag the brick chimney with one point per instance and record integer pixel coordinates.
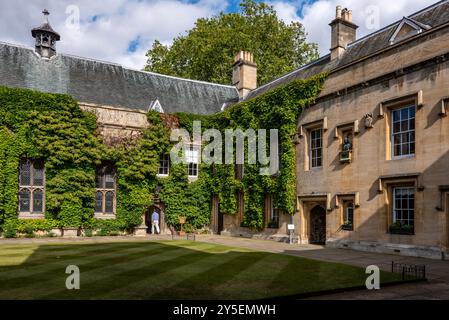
(244, 73)
(343, 32)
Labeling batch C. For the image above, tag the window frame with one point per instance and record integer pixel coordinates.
(31, 188)
(164, 164)
(394, 208)
(104, 191)
(349, 204)
(392, 133)
(194, 166)
(311, 149)
(273, 215)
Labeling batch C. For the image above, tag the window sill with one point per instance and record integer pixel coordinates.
(104, 216)
(162, 175)
(316, 169)
(403, 157)
(29, 215)
(402, 232)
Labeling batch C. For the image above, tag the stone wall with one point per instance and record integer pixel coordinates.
(116, 124)
(427, 171)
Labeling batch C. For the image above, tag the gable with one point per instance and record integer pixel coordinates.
(408, 28)
(156, 106)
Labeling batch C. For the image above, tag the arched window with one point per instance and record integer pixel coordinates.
(105, 196)
(31, 186)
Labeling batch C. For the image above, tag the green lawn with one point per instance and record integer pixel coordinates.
(165, 270)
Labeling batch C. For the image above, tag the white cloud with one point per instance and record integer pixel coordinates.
(120, 22)
(316, 16)
(117, 24)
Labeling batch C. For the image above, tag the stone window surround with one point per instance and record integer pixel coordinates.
(444, 107)
(304, 131)
(30, 215)
(341, 198)
(343, 127)
(385, 108)
(388, 183)
(354, 196)
(444, 196)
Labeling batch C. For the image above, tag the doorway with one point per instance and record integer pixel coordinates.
(220, 223)
(148, 218)
(318, 225)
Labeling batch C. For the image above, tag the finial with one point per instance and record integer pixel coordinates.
(46, 14)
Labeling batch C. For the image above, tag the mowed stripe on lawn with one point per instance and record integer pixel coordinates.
(188, 279)
(111, 277)
(53, 251)
(52, 279)
(257, 279)
(53, 262)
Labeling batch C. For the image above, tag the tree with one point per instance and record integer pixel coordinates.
(207, 51)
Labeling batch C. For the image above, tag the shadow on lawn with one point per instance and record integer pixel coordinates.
(169, 270)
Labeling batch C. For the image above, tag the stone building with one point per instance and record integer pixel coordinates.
(119, 97)
(372, 152)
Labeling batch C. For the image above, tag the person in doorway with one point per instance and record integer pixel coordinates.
(155, 222)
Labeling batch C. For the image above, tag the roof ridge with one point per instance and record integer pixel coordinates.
(411, 16)
(292, 72)
(419, 24)
(121, 66)
(179, 78)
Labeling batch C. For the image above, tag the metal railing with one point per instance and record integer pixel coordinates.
(409, 271)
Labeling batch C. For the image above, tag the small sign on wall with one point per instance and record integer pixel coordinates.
(291, 227)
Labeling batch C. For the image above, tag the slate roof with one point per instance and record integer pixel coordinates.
(104, 83)
(432, 16)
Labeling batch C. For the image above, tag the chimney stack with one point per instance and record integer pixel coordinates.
(244, 73)
(343, 32)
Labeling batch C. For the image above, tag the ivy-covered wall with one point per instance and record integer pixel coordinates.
(53, 127)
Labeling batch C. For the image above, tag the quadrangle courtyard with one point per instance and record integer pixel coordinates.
(163, 269)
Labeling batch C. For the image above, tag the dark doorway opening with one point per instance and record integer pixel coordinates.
(148, 221)
(220, 224)
(318, 225)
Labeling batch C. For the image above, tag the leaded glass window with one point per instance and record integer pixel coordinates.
(31, 186)
(105, 195)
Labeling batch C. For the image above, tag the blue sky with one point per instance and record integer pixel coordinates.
(121, 31)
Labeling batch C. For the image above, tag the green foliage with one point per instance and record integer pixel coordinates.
(277, 109)
(31, 225)
(53, 127)
(278, 47)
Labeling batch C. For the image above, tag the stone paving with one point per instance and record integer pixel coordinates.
(437, 286)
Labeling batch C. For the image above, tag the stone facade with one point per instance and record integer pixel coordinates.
(404, 65)
(360, 100)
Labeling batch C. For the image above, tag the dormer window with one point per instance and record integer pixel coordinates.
(156, 106)
(408, 28)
